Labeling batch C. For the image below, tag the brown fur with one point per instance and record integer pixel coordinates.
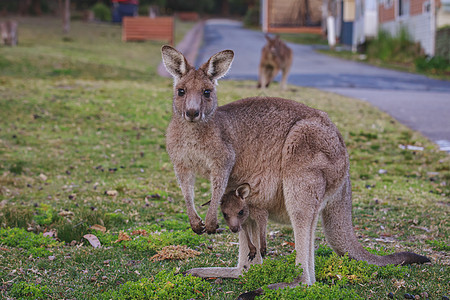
(275, 56)
(240, 216)
(8, 32)
(292, 156)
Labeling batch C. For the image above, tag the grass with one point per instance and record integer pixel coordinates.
(82, 151)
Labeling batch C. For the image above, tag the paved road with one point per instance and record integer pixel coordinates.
(421, 103)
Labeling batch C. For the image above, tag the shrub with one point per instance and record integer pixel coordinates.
(336, 268)
(102, 12)
(317, 291)
(23, 290)
(400, 48)
(35, 244)
(164, 285)
(433, 64)
(271, 271)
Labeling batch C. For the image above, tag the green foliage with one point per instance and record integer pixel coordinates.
(154, 241)
(44, 214)
(399, 49)
(251, 17)
(164, 285)
(102, 12)
(282, 269)
(35, 244)
(440, 245)
(317, 291)
(435, 64)
(23, 290)
(341, 268)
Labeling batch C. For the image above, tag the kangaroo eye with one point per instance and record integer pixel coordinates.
(207, 93)
(225, 216)
(241, 212)
(181, 92)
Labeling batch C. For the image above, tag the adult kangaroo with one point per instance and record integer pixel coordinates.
(292, 156)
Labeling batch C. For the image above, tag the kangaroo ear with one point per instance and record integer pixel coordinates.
(243, 190)
(218, 65)
(267, 36)
(175, 62)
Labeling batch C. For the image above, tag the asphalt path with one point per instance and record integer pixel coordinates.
(421, 103)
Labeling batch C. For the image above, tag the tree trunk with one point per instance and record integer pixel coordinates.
(66, 15)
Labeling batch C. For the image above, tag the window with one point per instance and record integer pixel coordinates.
(403, 8)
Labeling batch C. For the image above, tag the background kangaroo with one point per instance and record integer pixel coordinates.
(8, 32)
(240, 216)
(275, 56)
(292, 156)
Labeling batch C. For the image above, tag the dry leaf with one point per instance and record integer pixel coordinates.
(175, 252)
(112, 193)
(93, 240)
(66, 213)
(43, 177)
(123, 237)
(51, 233)
(142, 232)
(99, 228)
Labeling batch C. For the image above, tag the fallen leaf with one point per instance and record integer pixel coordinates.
(99, 228)
(93, 240)
(43, 177)
(112, 193)
(142, 232)
(174, 252)
(51, 233)
(123, 237)
(66, 213)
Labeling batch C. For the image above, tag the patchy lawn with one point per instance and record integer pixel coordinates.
(82, 151)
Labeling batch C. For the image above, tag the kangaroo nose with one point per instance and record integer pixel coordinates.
(192, 114)
(234, 229)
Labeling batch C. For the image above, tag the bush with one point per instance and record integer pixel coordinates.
(23, 290)
(317, 291)
(164, 285)
(271, 271)
(400, 49)
(433, 64)
(102, 12)
(35, 244)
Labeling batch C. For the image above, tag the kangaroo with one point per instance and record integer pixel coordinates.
(292, 156)
(275, 56)
(238, 216)
(8, 31)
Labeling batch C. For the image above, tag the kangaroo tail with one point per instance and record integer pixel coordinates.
(338, 228)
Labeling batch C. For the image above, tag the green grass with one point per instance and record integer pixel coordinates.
(85, 146)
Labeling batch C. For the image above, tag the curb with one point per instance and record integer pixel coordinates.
(189, 46)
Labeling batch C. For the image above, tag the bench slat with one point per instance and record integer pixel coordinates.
(143, 28)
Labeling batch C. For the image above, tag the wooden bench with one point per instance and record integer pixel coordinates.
(144, 28)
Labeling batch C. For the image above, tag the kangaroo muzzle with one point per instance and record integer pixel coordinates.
(192, 115)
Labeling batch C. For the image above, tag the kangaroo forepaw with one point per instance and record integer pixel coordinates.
(199, 227)
(263, 251)
(251, 256)
(211, 227)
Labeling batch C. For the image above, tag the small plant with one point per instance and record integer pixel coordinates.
(435, 64)
(317, 291)
(164, 285)
(35, 244)
(438, 245)
(271, 271)
(44, 214)
(101, 12)
(23, 290)
(341, 268)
